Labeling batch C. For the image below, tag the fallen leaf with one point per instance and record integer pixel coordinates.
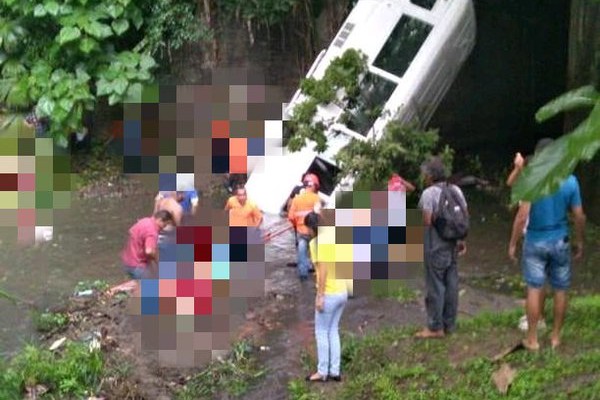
(57, 343)
(503, 377)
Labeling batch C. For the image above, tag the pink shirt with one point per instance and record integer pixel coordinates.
(142, 235)
(396, 184)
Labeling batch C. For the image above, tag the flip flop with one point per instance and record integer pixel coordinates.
(310, 379)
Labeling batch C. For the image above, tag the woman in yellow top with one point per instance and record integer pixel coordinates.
(330, 300)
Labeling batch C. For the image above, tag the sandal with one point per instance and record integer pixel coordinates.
(336, 378)
(311, 378)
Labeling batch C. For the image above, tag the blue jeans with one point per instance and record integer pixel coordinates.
(329, 350)
(303, 257)
(551, 258)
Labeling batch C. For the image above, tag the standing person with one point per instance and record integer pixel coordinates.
(243, 212)
(440, 255)
(141, 248)
(302, 205)
(330, 301)
(397, 183)
(547, 253)
(519, 163)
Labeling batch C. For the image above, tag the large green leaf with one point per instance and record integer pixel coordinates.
(544, 174)
(52, 7)
(45, 106)
(120, 26)
(584, 96)
(103, 87)
(147, 62)
(114, 10)
(68, 34)
(39, 11)
(98, 30)
(134, 93)
(87, 44)
(119, 86)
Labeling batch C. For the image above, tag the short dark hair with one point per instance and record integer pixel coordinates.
(164, 215)
(239, 187)
(311, 220)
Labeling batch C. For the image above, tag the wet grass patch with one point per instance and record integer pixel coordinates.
(233, 375)
(390, 364)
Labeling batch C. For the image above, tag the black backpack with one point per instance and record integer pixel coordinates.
(450, 217)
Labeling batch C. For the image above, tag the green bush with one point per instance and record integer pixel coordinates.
(75, 372)
(49, 321)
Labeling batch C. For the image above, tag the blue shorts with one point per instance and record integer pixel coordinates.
(135, 272)
(552, 259)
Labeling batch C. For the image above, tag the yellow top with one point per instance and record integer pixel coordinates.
(336, 258)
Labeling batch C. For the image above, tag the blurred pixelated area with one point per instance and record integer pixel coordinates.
(178, 138)
(35, 180)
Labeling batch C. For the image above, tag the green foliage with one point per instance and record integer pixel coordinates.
(74, 372)
(341, 75)
(61, 56)
(232, 375)
(299, 390)
(171, 24)
(401, 149)
(8, 296)
(545, 172)
(49, 321)
(97, 285)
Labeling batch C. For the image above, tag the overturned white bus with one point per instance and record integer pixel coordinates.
(414, 51)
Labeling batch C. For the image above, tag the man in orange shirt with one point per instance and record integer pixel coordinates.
(242, 212)
(303, 204)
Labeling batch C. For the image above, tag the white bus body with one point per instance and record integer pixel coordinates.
(414, 49)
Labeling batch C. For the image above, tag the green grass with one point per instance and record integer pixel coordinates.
(233, 376)
(97, 285)
(395, 289)
(49, 321)
(392, 365)
(75, 372)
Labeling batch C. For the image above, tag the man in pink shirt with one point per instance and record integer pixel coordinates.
(141, 248)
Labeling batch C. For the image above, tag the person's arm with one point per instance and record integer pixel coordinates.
(517, 229)
(518, 163)
(321, 278)
(194, 201)
(291, 212)
(408, 186)
(579, 222)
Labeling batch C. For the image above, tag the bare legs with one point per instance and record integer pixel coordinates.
(535, 307)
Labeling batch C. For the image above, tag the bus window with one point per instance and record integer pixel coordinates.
(363, 111)
(402, 45)
(428, 4)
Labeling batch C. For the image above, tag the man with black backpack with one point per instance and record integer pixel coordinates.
(446, 221)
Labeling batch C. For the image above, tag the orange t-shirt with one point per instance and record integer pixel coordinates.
(244, 215)
(232, 202)
(301, 205)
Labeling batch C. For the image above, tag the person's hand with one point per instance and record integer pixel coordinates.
(319, 303)
(512, 253)
(519, 161)
(462, 247)
(577, 251)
